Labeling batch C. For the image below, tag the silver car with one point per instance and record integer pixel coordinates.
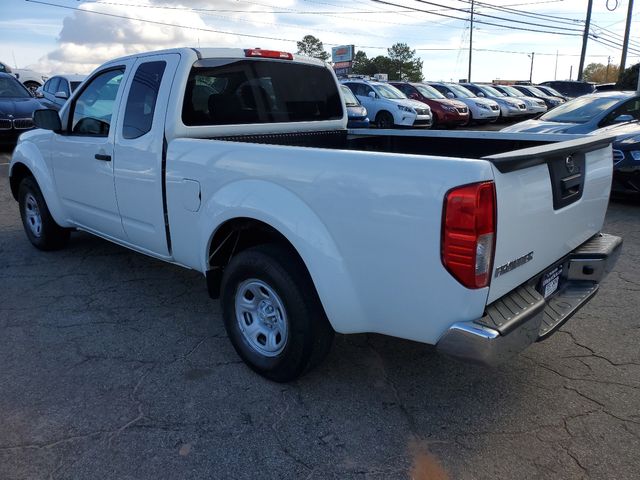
(55, 92)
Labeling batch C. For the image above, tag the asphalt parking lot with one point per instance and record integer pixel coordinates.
(115, 365)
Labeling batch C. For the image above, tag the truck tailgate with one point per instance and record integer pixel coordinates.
(550, 199)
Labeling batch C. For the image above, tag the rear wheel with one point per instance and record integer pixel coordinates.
(272, 313)
(384, 120)
(41, 229)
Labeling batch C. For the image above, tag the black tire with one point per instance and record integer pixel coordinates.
(309, 334)
(384, 120)
(49, 235)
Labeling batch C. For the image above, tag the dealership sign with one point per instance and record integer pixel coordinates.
(338, 65)
(343, 53)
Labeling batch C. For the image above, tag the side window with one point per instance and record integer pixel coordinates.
(631, 108)
(92, 110)
(64, 86)
(53, 85)
(141, 103)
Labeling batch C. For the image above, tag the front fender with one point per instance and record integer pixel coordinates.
(293, 218)
(29, 155)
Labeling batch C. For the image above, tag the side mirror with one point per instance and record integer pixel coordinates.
(372, 95)
(62, 95)
(450, 95)
(480, 94)
(623, 118)
(414, 96)
(38, 94)
(47, 119)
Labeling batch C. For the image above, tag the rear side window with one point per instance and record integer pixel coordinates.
(141, 103)
(52, 85)
(254, 91)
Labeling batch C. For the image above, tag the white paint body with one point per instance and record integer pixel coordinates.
(367, 225)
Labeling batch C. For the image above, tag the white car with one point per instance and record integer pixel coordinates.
(509, 107)
(29, 78)
(388, 106)
(481, 110)
(302, 230)
(535, 105)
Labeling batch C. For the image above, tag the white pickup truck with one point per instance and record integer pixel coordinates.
(238, 164)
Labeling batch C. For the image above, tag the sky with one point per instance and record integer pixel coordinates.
(75, 36)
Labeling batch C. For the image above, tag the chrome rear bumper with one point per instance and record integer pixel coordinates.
(524, 316)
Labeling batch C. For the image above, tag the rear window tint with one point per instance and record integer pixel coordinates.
(257, 91)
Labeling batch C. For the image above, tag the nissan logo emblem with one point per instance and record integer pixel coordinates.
(570, 164)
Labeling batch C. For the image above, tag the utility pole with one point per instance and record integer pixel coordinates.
(606, 75)
(470, 42)
(555, 73)
(531, 71)
(585, 37)
(625, 43)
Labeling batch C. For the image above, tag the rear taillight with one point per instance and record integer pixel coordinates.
(468, 233)
(258, 52)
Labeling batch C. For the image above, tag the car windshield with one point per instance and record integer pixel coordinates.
(579, 110)
(535, 91)
(490, 91)
(75, 85)
(427, 91)
(10, 88)
(512, 92)
(389, 91)
(350, 99)
(460, 91)
(551, 91)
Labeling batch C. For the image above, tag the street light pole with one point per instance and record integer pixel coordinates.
(625, 43)
(585, 37)
(531, 71)
(470, 42)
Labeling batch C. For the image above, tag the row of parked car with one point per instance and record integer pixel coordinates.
(393, 104)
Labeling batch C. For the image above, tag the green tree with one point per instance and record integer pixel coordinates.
(404, 65)
(361, 64)
(312, 47)
(629, 78)
(599, 73)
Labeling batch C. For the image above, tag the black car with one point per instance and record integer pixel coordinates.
(16, 109)
(531, 91)
(571, 88)
(626, 166)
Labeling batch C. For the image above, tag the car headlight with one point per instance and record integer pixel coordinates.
(406, 109)
(635, 154)
(483, 106)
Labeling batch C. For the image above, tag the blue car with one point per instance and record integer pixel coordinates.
(355, 111)
(585, 114)
(626, 166)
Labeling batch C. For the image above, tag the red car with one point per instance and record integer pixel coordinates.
(446, 112)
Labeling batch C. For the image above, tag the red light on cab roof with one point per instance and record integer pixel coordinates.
(258, 52)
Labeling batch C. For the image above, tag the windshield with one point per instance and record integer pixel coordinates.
(580, 110)
(11, 88)
(388, 91)
(428, 91)
(512, 92)
(536, 91)
(490, 91)
(460, 91)
(350, 99)
(553, 91)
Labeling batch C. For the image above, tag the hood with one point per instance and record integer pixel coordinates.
(485, 101)
(628, 142)
(418, 104)
(18, 107)
(622, 130)
(450, 102)
(538, 126)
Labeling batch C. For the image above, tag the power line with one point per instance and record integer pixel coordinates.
(509, 27)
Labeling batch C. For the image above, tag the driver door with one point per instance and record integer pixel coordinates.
(83, 155)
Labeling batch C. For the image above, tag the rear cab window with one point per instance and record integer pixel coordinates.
(250, 91)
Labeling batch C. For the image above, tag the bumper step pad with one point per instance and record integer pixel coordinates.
(562, 306)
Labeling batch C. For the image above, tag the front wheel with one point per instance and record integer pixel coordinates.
(272, 313)
(384, 120)
(41, 229)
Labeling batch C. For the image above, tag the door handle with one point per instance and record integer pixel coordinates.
(104, 158)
